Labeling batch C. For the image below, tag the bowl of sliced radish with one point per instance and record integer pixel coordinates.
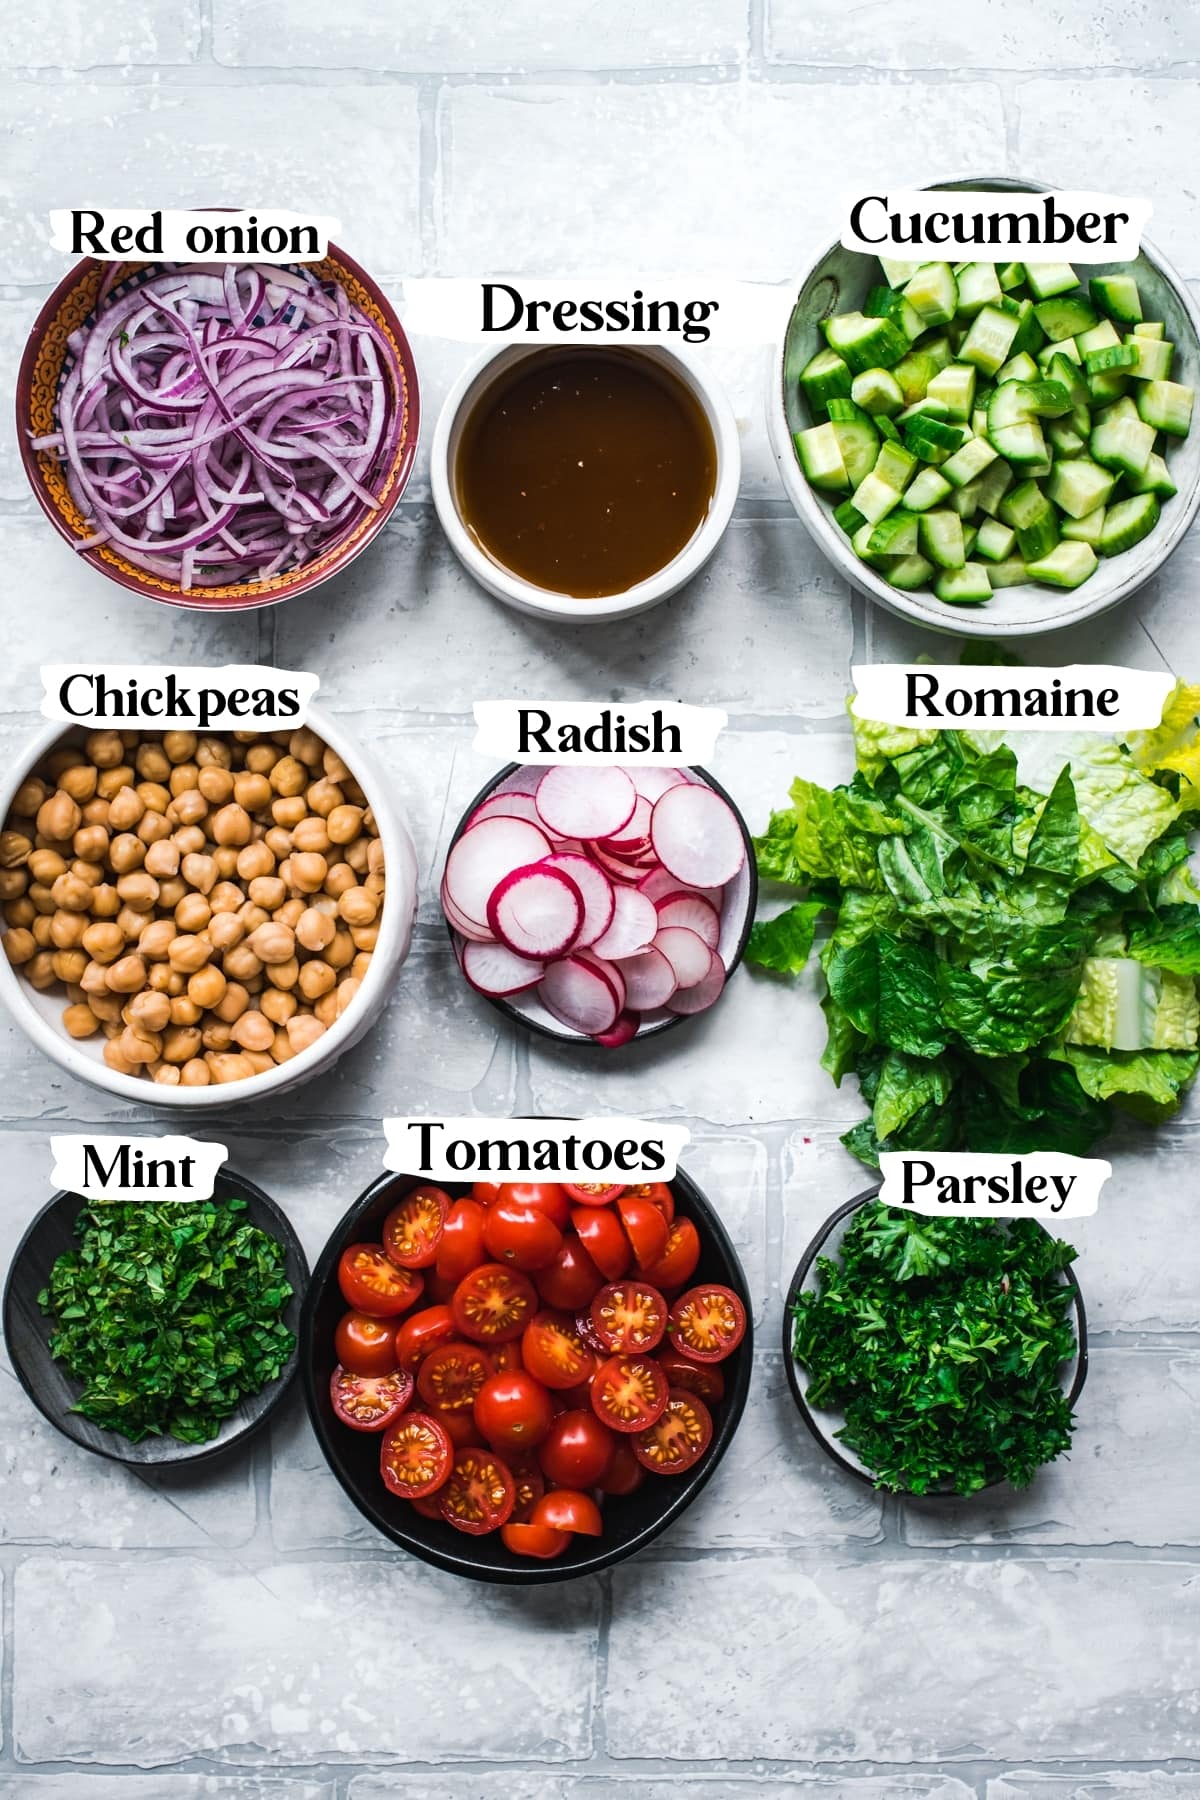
(599, 905)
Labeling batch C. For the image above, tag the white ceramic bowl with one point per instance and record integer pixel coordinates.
(525, 595)
(39, 1014)
(838, 280)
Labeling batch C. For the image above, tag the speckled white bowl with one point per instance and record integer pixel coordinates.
(39, 1015)
(838, 280)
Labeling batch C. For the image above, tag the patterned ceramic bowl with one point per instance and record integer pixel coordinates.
(47, 359)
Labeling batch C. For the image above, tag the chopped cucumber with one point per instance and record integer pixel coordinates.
(933, 440)
(1113, 356)
(1018, 368)
(978, 285)
(1117, 297)
(895, 465)
(1065, 317)
(1047, 279)
(857, 438)
(968, 462)
(875, 497)
(1078, 486)
(1166, 405)
(1155, 480)
(1102, 336)
(989, 342)
(821, 457)
(886, 303)
(1121, 443)
(941, 539)
(926, 490)
(914, 372)
(1149, 329)
(896, 273)
(864, 343)
(824, 377)
(848, 517)
(933, 291)
(877, 391)
(1066, 566)
(1009, 573)
(895, 535)
(1012, 275)
(1127, 523)
(909, 572)
(968, 586)
(1064, 439)
(1086, 530)
(994, 483)
(1154, 357)
(954, 386)
(995, 541)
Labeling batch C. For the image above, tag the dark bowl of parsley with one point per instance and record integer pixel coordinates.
(935, 1357)
(153, 1332)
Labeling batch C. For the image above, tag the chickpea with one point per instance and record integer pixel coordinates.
(90, 873)
(217, 1035)
(252, 1032)
(290, 912)
(95, 812)
(138, 1046)
(127, 975)
(79, 781)
(94, 979)
(155, 940)
(281, 1049)
(166, 1075)
(339, 953)
(311, 834)
(155, 797)
(267, 891)
(360, 965)
(235, 1067)
(241, 964)
(13, 883)
(273, 943)
(289, 778)
(334, 768)
(180, 1043)
(252, 916)
(70, 894)
(255, 860)
(138, 891)
(307, 746)
(43, 929)
(104, 941)
(15, 849)
(106, 902)
(165, 980)
(162, 858)
(29, 796)
(345, 992)
(125, 804)
(288, 811)
(225, 897)
(357, 854)
(68, 965)
(179, 746)
(340, 877)
(184, 1011)
(182, 780)
(261, 758)
(365, 937)
(344, 823)
(80, 1021)
(151, 762)
(192, 913)
(67, 929)
(104, 749)
(231, 825)
(308, 871)
(260, 1060)
(225, 856)
(215, 784)
(189, 952)
(323, 796)
(19, 945)
(224, 931)
(195, 1073)
(232, 1003)
(207, 987)
(148, 1011)
(252, 791)
(58, 817)
(42, 898)
(358, 907)
(115, 1059)
(278, 842)
(189, 808)
(19, 912)
(46, 866)
(278, 1006)
(316, 978)
(153, 828)
(126, 852)
(326, 1008)
(285, 974)
(303, 1031)
(171, 892)
(90, 843)
(212, 750)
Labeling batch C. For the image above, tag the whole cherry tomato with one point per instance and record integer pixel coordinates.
(514, 1412)
(601, 1235)
(624, 1474)
(524, 1539)
(549, 1197)
(522, 1235)
(658, 1194)
(421, 1332)
(570, 1282)
(645, 1228)
(567, 1509)
(484, 1191)
(576, 1450)
(365, 1346)
(460, 1247)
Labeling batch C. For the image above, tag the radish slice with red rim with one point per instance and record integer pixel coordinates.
(465, 927)
(649, 980)
(687, 954)
(625, 1028)
(635, 924)
(495, 970)
(506, 806)
(705, 993)
(483, 856)
(692, 913)
(609, 970)
(579, 995)
(697, 836)
(585, 802)
(627, 873)
(536, 911)
(653, 783)
(658, 884)
(595, 888)
(634, 837)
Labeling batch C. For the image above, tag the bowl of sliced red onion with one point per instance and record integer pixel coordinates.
(218, 435)
(599, 905)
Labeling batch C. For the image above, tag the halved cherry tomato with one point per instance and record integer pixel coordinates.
(658, 1194)
(549, 1197)
(414, 1226)
(365, 1346)
(624, 1474)
(460, 1427)
(570, 1281)
(479, 1493)
(707, 1323)
(530, 1484)
(534, 1540)
(677, 1264)
(371, 1282)
(485, 1191)
(514, 1412)
(629, 1315)
(427, 1506)
(493, 1304)
(554, 1352)
(460, 1247)
(645, 1228)
(590, 1336)
(601, 1236)
(704, 1379)
(369, 1402)
(421, 1333)
(567, 1509)
(594, 1193)
(629, 1392)
(506, 1357)
(452, 1375)
(522, 1235)
(576, 1450)
(678, 1438)
(415, 1456)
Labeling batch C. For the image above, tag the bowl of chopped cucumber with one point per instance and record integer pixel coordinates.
(992, 449)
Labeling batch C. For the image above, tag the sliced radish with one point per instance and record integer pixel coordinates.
(505, 806)
(628, 873)
(483, 856)
(649, 980)
(579, 995)
(585, 802)
(687, 954)
(465, 927)
(609, 970)
(496, 970)
(625, 1028)
(693, 913)
(658, 884)
(634, 837)
(697, 836)
(523, 780)
(635, 923)
(653, 783)
(536, 911)
(704, 993)
(596, 890)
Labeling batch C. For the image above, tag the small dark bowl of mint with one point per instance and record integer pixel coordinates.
(157, 1332)
(935, 1357)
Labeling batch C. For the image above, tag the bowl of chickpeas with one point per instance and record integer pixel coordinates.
(195, 918)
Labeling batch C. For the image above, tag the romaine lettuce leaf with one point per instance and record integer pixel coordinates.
(784, 942)
(1146, 1083)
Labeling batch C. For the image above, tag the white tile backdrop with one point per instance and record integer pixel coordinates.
(243, 1633)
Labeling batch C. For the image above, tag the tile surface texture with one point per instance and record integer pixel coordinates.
(242, 1633)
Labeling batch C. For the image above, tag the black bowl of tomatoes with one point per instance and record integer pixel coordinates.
(526, 1382)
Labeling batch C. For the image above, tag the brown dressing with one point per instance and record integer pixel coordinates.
(585, 471)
